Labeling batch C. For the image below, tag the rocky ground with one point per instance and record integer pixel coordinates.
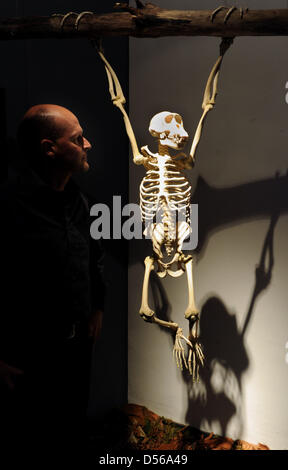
(134, 427)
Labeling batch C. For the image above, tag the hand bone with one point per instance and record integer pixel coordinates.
(178, 350)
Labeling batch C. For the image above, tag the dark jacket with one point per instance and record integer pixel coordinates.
(53, 269)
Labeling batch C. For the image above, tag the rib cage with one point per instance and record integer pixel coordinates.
(164, 187)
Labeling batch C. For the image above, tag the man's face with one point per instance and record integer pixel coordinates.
(70, 149)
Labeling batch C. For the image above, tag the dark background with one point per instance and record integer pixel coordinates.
(69, 73)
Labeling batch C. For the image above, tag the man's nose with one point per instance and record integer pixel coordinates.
(86, 144)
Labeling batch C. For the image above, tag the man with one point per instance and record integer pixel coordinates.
(55, 293)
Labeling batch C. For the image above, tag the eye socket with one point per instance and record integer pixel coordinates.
(79, 140)
(169, 118)
(178, 118)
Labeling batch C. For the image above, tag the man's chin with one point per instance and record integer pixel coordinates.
(84, 167)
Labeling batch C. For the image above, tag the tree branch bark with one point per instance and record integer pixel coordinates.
(148, 21)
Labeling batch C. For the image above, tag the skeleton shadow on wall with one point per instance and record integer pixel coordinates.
(217, 398)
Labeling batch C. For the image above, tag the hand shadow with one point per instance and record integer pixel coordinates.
(217, 400)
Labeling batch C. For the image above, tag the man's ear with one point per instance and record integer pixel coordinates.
(48, 148)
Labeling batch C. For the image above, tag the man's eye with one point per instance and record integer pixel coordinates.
(79, 140)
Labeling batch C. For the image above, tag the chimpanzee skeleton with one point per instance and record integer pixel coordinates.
(165, 191)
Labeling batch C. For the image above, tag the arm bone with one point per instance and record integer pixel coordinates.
(209, 98)
(118, 100)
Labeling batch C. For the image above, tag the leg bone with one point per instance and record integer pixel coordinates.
(191, 309)
(145, 311)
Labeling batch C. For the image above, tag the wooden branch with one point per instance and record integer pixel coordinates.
(148, 21)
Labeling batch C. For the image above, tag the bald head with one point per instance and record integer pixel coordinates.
(43, 121)
(51, 109)
(50, 137)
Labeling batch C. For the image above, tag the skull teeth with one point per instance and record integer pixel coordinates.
(176, 138)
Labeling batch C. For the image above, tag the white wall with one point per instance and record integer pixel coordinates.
(243, 388)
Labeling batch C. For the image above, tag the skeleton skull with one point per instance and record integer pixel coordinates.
(168, 128)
